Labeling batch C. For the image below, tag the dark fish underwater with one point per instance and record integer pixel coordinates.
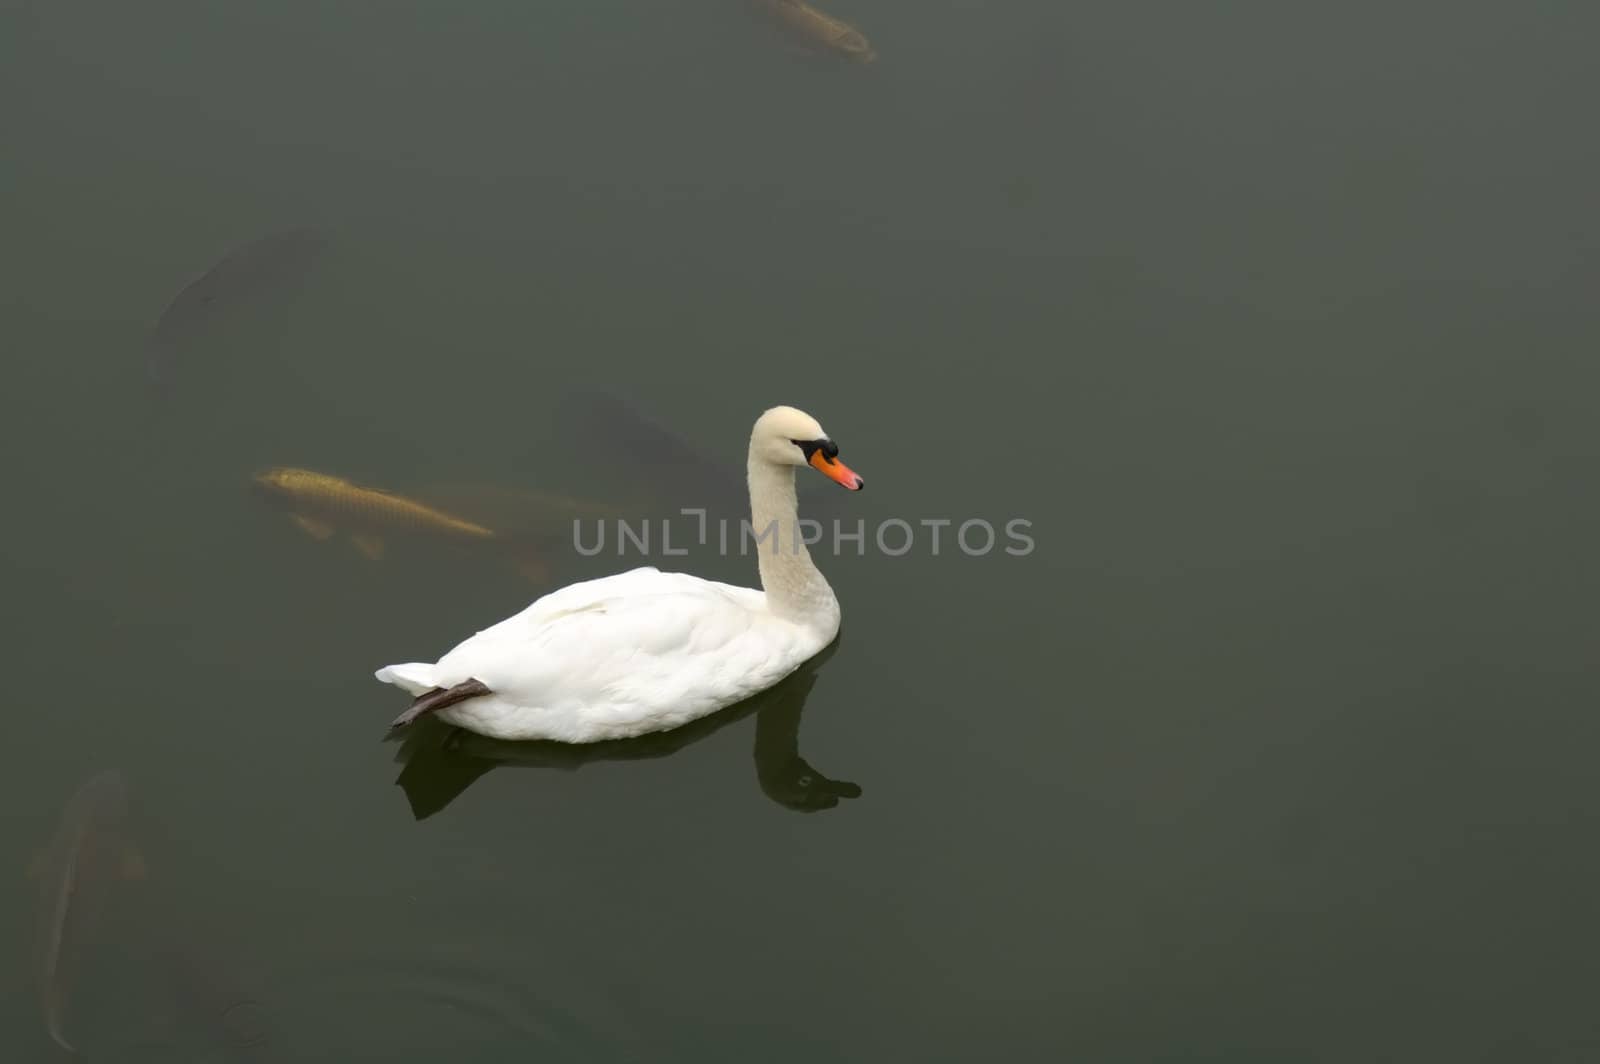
(248, 272)
(211, 993)
(658, 470)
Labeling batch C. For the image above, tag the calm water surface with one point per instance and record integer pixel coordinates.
(1278, 322)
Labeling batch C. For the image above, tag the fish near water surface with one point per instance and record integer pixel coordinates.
(821, 30)
(271, 261)
(77, 875)
(320, 504)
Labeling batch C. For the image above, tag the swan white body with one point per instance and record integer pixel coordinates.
(644, 651)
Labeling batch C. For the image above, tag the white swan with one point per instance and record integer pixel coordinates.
(644, 650)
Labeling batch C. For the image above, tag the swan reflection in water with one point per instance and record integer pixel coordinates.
(440, 761)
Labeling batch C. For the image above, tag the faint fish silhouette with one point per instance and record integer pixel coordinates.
(205, 983)
(817, 29)
(664, 472)
(440, 762)
(269, 262)
(665, 462)
(201, 1001)
(77, 874)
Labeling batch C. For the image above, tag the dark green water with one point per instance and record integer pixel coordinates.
(1279, 322)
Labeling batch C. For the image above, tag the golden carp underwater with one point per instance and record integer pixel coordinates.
(819, 29)
(322, 504)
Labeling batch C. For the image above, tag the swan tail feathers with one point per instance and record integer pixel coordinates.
(439, 698)
(415, 677)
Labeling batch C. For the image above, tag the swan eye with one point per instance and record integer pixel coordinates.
(829, 449)
(804, 781)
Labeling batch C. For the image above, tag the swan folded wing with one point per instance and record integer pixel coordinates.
(657, 647)
(608, 594)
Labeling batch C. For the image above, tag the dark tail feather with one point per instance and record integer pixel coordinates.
(439, 698)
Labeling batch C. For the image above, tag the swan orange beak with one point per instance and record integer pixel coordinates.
(836, 470)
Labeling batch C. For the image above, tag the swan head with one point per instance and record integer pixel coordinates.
(784, 436)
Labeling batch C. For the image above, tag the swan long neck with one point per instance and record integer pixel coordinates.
(794, 586)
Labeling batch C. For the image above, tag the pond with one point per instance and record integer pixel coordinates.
(1216, 677)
